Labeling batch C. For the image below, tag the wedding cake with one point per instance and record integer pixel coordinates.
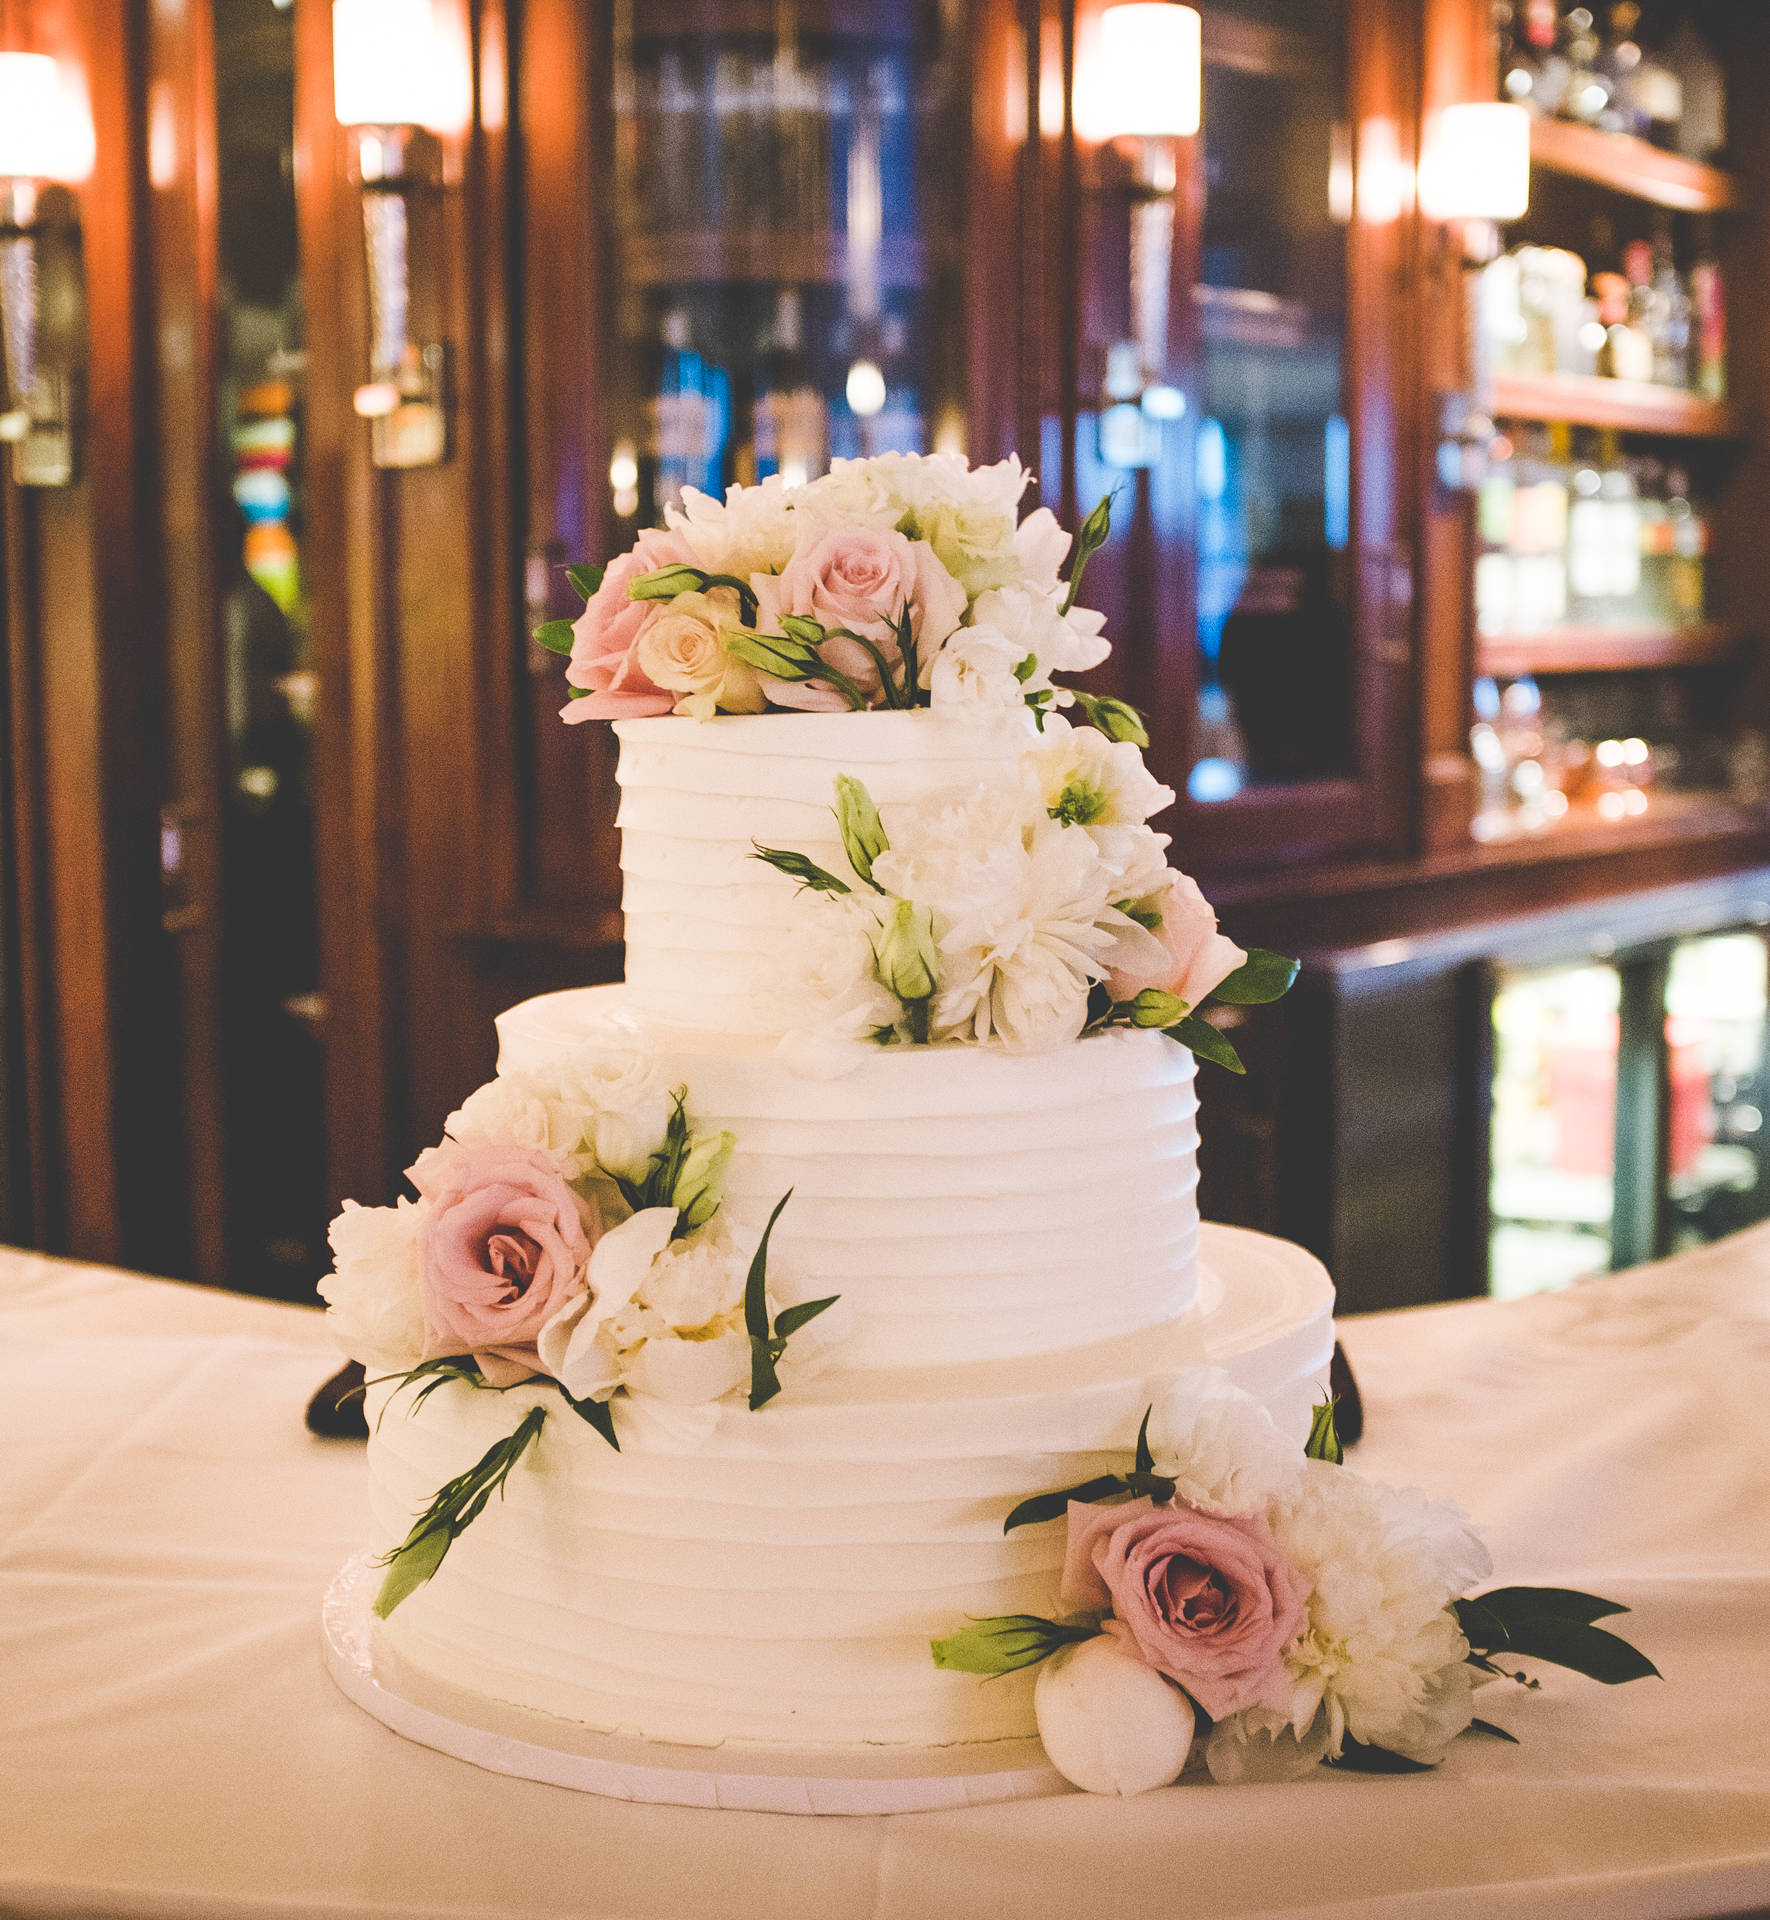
(770, 1349)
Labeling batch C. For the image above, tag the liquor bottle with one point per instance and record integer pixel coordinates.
(1586, 95)
(1626, 353)
(790, 424)
(1539, 532)
(1690, 543)
(1708, 314)
(1701, 130)
(1656, 545)
(1588, 544)
(1536, 75)
(1495, 565)
(1670, 331)
(1621, 505)
(1619, 63)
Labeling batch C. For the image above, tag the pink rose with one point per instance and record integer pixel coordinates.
(605, 637)
(1199, 958)
(1209, 1602)
(502, 1256)
(861, 579)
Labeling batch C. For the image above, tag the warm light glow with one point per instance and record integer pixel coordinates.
(866, 389)
(1382, 182)
(45, 128)
(1146, 73)
(1475, 162)
(388, 66)
(623, 466)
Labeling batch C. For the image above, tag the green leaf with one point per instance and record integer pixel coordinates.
(1145, 1459)
(797, 867)
(1053, 1506)
(1206, 1042)
(1264, 976)
(555, 636)
(1324, 1440)
(1484, 1630)
(1027, 668)
(598, 1413)
(1114, 718)
(764, 1381)
(1564, 1603)
(790, 1319)
(458, 1503)
(585, 579)
(1154, 1008)
(1600, 1656)
(1358, 1758)
(1146, 917)
(1095, 531)
(863, 834)
(579, 693)
(1157, 1485)
(1499, 1733)
(1005, 1643)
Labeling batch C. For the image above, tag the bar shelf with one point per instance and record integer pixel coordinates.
(1507, 656)
(1631, 166)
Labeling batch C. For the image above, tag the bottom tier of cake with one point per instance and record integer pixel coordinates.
(776, 1576)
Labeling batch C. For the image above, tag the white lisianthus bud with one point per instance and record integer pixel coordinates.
(1109, 1723)
(1154, 1008)
(700, 1186)
(905, 946)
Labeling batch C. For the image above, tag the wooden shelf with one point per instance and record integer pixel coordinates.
(1631, 166)
(698, 256)
(1631, 405)
(1605, 649)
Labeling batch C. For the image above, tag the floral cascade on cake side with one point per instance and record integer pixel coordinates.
(568, 1230)
(1234, 1601)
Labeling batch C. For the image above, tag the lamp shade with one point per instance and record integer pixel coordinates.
(1148, 75)
(1475, 162)
(387, 65)
(45, 129)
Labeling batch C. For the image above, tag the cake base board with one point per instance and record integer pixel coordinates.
(537, 1746)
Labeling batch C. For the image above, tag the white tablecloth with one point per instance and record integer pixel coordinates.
(170, 1745)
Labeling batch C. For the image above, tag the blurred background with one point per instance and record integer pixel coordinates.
(1422, 343)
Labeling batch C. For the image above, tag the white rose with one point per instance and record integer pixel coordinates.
(375, 1305)
(1220, 1446)
(973, 677)
(523, 1110)
(1109, 1723)
(619, 1087)
(1086, 780)
(826, 976)
(1384, 1563)
(683, 651)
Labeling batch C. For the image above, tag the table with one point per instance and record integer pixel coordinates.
(170, 1746)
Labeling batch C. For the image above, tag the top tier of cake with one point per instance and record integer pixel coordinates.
(705, 918)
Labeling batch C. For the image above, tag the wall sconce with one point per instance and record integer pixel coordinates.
(45, 140)
(1146, 86)
(387, 92)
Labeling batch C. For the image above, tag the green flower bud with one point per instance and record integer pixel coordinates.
(905, 946)
(863, 837)
(1153, 1008)
(665, 583)
(700, 1185)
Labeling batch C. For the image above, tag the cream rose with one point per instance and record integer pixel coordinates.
(683, 651)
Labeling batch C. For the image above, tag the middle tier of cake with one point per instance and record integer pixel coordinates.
(966, 1203)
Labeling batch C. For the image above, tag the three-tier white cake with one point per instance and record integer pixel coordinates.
(1014, 1239)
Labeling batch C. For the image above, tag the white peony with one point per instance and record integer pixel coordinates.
(968, 515)
(1220, 1446)
(1258, 1747)
(826, 977)
(523, 1110)
(1378, 1653)
(375, 1306)
(618, 1085)
(1030, 623)
(973, 676)
(752, 530)
(1086, 780)
(1110, 1723)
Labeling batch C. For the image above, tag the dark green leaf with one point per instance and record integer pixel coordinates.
(1324, 1440)
(1145, 1459)
(599, 1413)
(585, 579)
(764, 1381)
(1483, 1629)
(1584, 1649)
(790, 1319)
(1563, 1603)
(797, 867)
(1358, 1758)
(1499, 1733)
(555, 636)
(458, 1503)
(1027, 668)
(1206, 1042)
(1264, 976)
(1005, 1643)
(1157, 1485)
(1053, 1506)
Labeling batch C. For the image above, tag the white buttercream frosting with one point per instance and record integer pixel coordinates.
(705, 919)
(777, 1576)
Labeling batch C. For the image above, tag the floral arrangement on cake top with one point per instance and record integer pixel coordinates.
(1241, 1603)
(902, 580)
(569, 1233)
(1030, 910)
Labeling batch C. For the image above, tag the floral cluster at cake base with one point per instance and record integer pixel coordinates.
(568, 1232)
(1256, 1608)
